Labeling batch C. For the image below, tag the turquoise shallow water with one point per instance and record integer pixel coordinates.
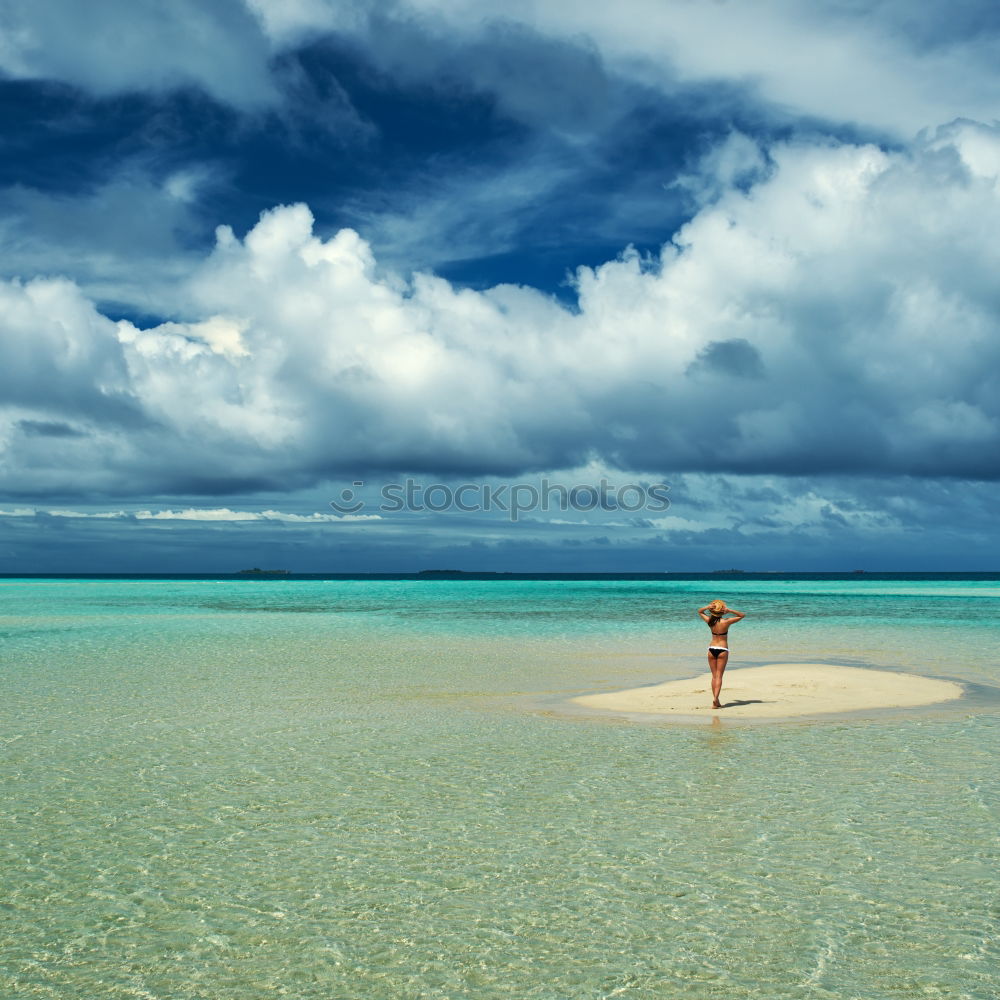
(317, 789)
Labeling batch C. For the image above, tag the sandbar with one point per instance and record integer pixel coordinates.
(779, 690)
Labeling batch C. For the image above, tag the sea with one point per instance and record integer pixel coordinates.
(374, 788)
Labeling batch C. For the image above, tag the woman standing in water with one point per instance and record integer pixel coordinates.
(718, 649)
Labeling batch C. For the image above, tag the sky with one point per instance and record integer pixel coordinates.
(703, 284)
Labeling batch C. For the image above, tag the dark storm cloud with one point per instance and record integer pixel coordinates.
(49, 428)
(813, 524)
(737, 357)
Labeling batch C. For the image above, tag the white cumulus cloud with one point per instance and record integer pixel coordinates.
(838, 315)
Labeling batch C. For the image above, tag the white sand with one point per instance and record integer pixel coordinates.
(780, 690)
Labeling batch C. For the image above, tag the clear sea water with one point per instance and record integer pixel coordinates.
(365, 788)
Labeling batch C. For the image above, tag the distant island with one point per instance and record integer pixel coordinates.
(727, 571)
(257, 571)
(461, 572)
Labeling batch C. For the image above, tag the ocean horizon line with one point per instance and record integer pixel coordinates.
(455, 574)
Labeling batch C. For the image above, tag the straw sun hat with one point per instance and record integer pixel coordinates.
(717, 607)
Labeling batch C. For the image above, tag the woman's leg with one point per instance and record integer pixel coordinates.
(717, 664)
